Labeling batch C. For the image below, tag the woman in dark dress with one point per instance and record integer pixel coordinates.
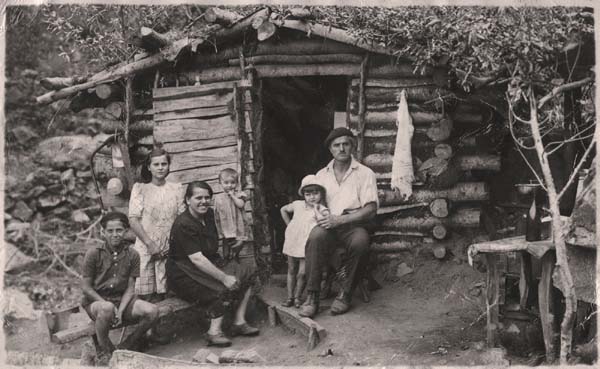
(198, 274)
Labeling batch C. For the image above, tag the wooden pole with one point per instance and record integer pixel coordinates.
(124, 143)
(468, 218)
(114, 73)
(57, 83)
(336, 34)
(362, 102)
(300, 59)
(464, 162)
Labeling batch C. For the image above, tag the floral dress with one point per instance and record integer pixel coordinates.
(157, 206)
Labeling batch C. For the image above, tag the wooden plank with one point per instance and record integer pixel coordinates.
(192, 113)
(183, 146)
(191, 91)
(203, 174)
(165, 307)
(215, 100)
(204, 158)
(194, 129)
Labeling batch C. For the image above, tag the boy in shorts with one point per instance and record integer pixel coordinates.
(109, 272)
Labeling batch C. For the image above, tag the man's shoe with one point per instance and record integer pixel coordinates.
(341, 304)
(218, 340)
(310, 308)
(244, 330)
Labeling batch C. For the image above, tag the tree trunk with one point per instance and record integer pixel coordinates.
(238, 29)
(479, 162)
(57, 83)
(440, 208)
(463, 191)
(299, 13)
(291, 70)
(413, 94)
(221, 16)
(299, 59)
(151, 40)
(389, 118)
(336, 34)
(468, 218)
(381, 146)
(565, 280)
(107, 91)
(115, 110)
(443, 151)
(114, 73)
(439, 252)
(439, 232)
(265, 31)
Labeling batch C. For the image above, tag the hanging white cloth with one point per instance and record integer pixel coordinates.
(402, 165)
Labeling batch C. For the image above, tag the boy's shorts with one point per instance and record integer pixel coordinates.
(127, 313)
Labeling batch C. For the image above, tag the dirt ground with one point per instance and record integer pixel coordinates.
(432, 316)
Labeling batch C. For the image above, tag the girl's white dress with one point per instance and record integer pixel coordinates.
(157, 206)
(299, 228)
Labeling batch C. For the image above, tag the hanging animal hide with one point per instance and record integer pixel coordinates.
(402, 166)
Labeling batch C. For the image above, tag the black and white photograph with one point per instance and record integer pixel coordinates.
(336, 184)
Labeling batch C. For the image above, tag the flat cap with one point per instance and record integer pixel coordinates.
(338, 132)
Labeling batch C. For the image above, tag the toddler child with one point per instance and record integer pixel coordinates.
(305, 214)
(229, 216)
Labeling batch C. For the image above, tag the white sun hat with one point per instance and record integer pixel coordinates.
(309, 180)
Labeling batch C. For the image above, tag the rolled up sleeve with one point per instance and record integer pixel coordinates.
(368, 189)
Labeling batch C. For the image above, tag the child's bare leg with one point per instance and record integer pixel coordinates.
(300, 279)
(291, 278)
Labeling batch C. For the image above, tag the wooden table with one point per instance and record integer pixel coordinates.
(543, 250)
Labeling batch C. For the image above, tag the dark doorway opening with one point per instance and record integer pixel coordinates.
(298, 113)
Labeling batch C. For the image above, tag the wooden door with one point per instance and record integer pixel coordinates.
(206, 129)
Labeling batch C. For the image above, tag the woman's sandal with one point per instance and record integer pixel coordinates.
(298, 303)
(288, 303)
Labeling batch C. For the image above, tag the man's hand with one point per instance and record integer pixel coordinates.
(330, 221)
(230, 282)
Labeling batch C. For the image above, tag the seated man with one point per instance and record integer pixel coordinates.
(351, 190)
(109, 273)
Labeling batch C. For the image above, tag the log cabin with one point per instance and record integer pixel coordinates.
(260, 93)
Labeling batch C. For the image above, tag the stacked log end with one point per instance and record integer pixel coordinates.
(444, 197)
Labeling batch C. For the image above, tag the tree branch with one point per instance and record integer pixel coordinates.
(563, 88)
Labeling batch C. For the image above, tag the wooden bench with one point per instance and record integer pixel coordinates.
(60, 332)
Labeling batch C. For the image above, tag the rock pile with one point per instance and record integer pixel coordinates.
(61, 191)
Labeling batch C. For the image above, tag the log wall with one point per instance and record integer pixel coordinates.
(446, 196)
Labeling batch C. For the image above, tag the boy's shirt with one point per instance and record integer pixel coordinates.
(110, 271)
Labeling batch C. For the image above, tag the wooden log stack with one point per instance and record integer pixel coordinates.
(445, 196)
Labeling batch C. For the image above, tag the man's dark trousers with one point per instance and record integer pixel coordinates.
(322, 242)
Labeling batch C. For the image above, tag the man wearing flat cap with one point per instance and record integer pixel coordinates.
(351, 190)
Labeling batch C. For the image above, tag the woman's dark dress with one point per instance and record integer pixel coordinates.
(189, 236)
